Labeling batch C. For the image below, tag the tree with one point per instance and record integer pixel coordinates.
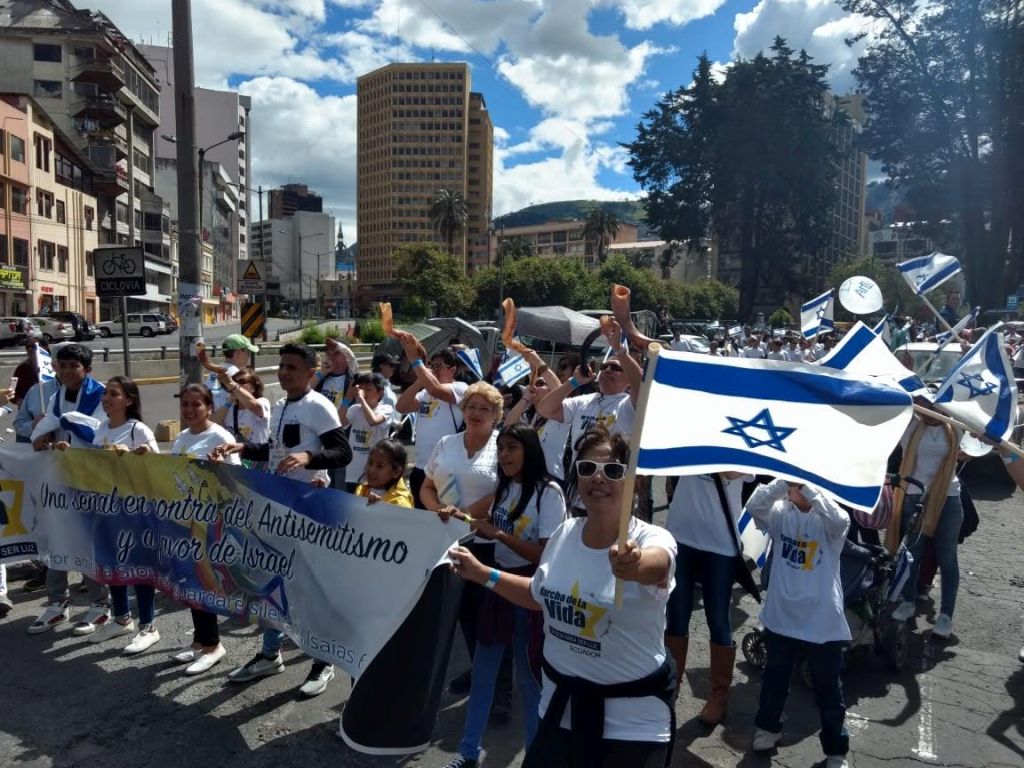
(942, 85)
(751, 159)
(601, 226)
(429, 277)
(780, 318)
(449, 215)
(535, 282)
(515, 248)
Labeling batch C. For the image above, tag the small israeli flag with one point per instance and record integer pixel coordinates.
(981, 391)
(471, 357)
(512, 369)
(863, 353)
(816, 315)
(44, 363)
(942, 339)
(926, 273)
(735, 331)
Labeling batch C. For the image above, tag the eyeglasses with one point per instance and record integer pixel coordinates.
(437, 366)
(612, 470)
(612, 367)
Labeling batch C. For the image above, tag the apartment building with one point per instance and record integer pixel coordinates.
(299, 251)
(99, 90)
(290, 198)
(48, 226)
(420, 129)
(560, 238)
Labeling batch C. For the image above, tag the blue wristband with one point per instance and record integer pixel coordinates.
(1010, 458)
(346, 403)
(573, 383)
(492, 580)
(416, 363)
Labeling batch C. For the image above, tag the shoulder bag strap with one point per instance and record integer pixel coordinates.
(729, 523)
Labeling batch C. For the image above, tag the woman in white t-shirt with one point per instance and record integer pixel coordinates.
(594, 651)
(553, 434)
(197, 441)
(124, 431)
(707, 548)
(369, 419)
(528, 507)
(248, 419)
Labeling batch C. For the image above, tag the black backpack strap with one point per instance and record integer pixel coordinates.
(741, 571)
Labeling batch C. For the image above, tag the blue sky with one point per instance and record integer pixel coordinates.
(565, 80)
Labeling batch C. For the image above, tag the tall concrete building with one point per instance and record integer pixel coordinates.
(420, 129)
(284, 202)
(99, 90)
(299, 251)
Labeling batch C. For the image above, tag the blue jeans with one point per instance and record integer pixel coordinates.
(486, 662)
(947, 539)
(826, 662)
(145, 596)
(715, 573)
(273, 639)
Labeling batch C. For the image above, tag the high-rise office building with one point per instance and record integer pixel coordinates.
(420, 129)
(291, 198)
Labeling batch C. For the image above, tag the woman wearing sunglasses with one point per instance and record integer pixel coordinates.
(553, 434)
(606, 670)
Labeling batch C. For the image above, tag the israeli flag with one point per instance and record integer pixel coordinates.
(44, 363)
(882, 330)
(512, 369)
(735, 331)
(863, 353)
(947, 336)
(980, 391)
(926, 273)
(774, 418)
(755, 541)
(471, 357)
(816, 315)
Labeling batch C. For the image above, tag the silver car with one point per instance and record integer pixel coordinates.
(54, 330)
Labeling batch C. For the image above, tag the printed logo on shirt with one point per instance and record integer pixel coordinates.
(360, 439)
(428, 409)
(574, 620)
(800, 554)
(606, 420)
(11, 494)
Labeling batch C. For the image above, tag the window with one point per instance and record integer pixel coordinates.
(20, 252)
(47, 251)
(122, 213)
(89, 258)
(47, 89)
(17, 149)
(42, 146)
(3, 196)
(44, 204)
(84, 52)
(3, 143)
(62, 259)
(151, 222)
(90, 216)
(47, 52)
(61, 214)
(19, 200)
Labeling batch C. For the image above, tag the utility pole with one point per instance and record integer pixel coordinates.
(125, 344)
(190, 238)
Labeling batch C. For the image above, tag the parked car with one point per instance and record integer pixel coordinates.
(931, 367)
(15, 331)
(143, 324)
(54, 330)
(84, 330)
(172, 324)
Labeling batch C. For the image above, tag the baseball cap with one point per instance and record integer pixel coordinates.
(238, 341)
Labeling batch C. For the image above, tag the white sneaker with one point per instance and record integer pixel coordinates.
(316, 682)
(943, 626)
(147, 637)
(96, 618)
(111, 628)
(836, 761)
(765, 741)
(904, 611)
(259, 666)
(1020, 655)
(205, 660)
(186, 655)
(55, 613)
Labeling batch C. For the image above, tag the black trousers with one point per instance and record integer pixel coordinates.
(552, 748)
(205, 630)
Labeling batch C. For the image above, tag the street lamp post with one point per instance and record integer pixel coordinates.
(301, 237)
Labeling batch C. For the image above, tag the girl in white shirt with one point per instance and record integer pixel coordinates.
(124, 431)
(248, 419)
(197, 441)
(369, 417)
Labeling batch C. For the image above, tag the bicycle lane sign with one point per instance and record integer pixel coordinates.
(119, 271)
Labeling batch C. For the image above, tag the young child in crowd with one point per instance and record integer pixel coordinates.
(385, 481)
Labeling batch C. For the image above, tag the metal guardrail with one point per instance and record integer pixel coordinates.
(170, 352)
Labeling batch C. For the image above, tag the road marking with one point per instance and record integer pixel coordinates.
(925, 732)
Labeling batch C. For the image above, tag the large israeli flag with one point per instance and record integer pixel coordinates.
(926, 273)
(863, 353)
(882, 330)
(799, 421)
(816, 315)
(980, 391)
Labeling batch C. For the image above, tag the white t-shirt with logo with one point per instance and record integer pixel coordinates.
(200, 445)
(538, 520)
(615, 412)
(553, 436)
(586, 636)
(252, 427)
(363, 436)
(461, 480)
(333, 386)
(695, 515)
(435, 419)
(931, 452)
(220, 395)
(132, 434)
(805, 591)
(296, 426)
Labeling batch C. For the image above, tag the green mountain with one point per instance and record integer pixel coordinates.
(630, 211)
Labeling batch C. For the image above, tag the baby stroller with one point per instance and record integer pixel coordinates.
(872, 583)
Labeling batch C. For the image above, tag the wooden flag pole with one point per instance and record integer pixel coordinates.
(629, 482)
(930, 414)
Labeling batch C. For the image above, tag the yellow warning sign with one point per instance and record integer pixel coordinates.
(254, 319)
(251, 272)
(251, 282)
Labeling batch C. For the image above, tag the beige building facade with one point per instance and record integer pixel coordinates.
(562, 237)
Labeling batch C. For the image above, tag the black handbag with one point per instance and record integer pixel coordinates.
(741, 571)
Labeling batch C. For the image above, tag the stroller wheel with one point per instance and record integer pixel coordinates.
(895, 642)
(753, 648)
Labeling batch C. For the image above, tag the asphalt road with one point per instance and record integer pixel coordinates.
(212, 333)
(66, 703)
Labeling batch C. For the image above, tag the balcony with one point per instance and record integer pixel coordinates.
(111, 173)
(105, 109)
(104, 71)
(108, 137)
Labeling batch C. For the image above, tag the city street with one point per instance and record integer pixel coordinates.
(69, 703)
(212, 333)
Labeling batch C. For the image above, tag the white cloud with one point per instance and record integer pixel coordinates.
(644, 14)
(817, 26)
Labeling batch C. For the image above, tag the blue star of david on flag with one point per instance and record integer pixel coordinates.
(763, 421)
(976, 385)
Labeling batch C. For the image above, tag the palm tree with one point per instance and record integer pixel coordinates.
(601, 226)
(449, 214)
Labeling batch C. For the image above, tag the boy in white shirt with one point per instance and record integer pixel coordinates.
(369, 419)
(803, 611)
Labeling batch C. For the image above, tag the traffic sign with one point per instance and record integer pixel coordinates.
(1012, 301)
(254, 318)
(120, 271)
(251, 281)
